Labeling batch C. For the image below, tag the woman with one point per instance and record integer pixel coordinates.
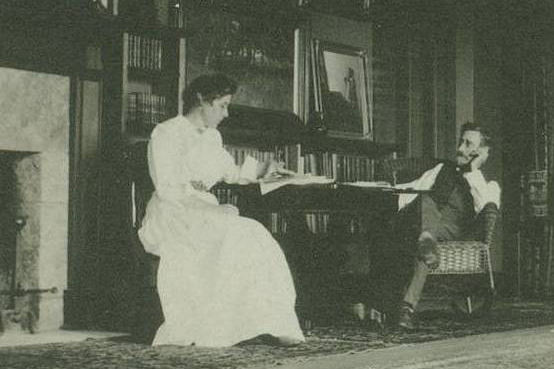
(222, 278)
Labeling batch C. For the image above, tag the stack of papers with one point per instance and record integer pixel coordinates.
(273, 183)
(378, 184)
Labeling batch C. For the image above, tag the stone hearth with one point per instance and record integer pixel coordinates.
(34, 126)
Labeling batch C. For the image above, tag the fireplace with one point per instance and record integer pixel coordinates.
(20, 294)
(8, 234)
(34, 192)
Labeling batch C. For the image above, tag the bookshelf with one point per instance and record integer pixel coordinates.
(149, 68)
(142, 75)
(263, 134)
(146, 69)
(340, 167)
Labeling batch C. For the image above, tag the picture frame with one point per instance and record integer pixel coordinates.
(258, 54)
(342, 90)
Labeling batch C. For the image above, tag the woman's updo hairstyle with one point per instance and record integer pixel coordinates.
(210, 87)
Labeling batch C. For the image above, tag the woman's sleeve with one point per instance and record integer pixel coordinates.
(231, 172)
(168, 172)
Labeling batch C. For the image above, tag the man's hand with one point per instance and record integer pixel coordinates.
(479, 158)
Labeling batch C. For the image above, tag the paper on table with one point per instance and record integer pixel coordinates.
(378, 184)
(268, 185)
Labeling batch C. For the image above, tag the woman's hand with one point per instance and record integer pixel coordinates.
(229, 209)
(199, 186)
(273, 168)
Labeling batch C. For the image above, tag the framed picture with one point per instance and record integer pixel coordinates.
(256, 52)
(341, 89)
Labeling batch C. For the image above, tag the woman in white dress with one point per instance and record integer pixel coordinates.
(222, 278)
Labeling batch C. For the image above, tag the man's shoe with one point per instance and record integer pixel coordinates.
(405, 319)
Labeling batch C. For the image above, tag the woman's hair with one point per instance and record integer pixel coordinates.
(210, 87)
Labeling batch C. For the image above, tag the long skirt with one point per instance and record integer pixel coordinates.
(222, 278)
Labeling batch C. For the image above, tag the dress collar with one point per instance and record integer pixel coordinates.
(192, 126)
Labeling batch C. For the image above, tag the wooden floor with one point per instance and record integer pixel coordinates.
(521, 349)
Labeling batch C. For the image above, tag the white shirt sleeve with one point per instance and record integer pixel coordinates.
(231, 170)
(482, 191)
(425, 182)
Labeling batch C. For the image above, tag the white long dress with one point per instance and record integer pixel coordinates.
(222, 278)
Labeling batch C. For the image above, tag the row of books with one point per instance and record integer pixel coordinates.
(145, 53)
(225, 196)
(317, 223)
(145, 110)
(277, 223)
(283, 154)
(342, 168)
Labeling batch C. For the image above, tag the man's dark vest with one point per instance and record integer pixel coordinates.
(452, 195)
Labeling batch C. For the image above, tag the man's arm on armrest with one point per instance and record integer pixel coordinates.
(482, 191)
(489, 214)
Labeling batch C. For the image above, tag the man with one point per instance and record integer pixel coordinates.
(458, 193)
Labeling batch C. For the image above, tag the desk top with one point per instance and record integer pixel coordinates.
(334, 197)
(253, 188)
(391, 190)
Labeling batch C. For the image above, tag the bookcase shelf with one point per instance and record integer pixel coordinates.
(317, 142)
(279, 134)
(138, 73)
(146, 69)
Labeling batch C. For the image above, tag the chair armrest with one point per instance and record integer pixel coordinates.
(140, 189)
(489, 215)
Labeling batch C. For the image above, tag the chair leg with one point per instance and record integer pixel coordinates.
(306, 324)
(489, 267)
(468, 305)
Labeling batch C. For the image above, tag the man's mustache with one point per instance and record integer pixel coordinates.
(471, 155)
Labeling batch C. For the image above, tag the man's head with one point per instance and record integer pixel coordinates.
(474, 146)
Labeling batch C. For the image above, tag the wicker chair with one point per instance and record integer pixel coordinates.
(471, 257)
(456, 257)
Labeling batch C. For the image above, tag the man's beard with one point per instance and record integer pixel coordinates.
(464, 158)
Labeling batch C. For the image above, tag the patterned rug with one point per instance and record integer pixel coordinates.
(347, 337)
